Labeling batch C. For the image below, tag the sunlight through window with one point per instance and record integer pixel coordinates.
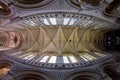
(87, 23)
(88, 56)
(44, 59)
(83, 58)
(65, 59)
(52, 59)
(72, 59)
(66, 20)
(45, 21)
(99, 54)
(53, 21)
(28, 57)
(72, 21)
(31, 57)
(30, 23)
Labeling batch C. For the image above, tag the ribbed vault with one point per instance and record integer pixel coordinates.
(47, 42)
(60, 38)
